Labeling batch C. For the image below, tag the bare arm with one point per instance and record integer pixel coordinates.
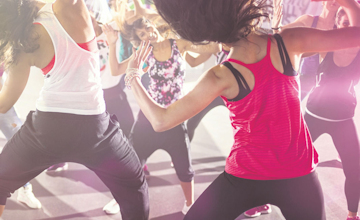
(18, 75)
(208, 87)
(196, 61)
(142, 11)
(116, 68)
(185, 45)
(302, 21)
(112, 37)
(299, 41)
(196, 100)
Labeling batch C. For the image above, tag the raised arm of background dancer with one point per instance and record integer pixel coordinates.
(142, 11)
(18, 75)
(185, 45)
(300, 41)
(209, 86)
(196, 61)
(277, 15)
(352, 9)
(112, 37)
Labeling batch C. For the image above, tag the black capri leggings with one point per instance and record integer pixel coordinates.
(193, 122)
(96, 141)
(228, 196)
(346, 142)
(174, 141)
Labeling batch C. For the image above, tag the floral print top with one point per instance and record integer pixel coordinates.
(166, 77)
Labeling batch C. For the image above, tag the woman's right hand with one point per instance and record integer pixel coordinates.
(111, 35)
(139, 56)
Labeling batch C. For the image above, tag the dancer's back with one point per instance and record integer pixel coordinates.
(40, 49)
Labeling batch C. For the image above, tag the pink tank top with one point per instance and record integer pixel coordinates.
(271, 139)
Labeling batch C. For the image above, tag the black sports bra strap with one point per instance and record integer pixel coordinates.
(288, 68)
(240, 79)
(279, 38)
(280, 49)
(244, 88)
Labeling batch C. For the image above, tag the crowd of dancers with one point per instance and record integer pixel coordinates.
(82, 114)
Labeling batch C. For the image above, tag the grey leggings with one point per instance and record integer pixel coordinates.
(346, 142)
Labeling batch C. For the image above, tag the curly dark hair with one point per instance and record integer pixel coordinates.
(139, 24)
(16, 35)
(225, 21)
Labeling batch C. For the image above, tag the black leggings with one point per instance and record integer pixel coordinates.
(193, 122)
(174, 141)
(117, 104)
(229, 196)
(346, 142)
(95, 141)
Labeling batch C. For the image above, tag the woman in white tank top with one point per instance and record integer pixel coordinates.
(70, 123)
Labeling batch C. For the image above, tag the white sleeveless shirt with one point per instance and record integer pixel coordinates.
(73, 85)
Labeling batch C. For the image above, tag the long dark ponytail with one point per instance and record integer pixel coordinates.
(16, 35)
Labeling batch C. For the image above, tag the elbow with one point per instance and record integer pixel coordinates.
(192, 65)
(160, 125)
(4, 109)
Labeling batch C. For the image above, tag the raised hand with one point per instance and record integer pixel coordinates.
(111, 35)
(140, 56)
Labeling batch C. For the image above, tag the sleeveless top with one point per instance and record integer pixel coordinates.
(309, 65)
(334, 98)
(73, 85)
(271, 139)
(166, 77)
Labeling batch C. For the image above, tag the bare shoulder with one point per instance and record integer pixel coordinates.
(222, 75)
(69, 7)
(67, 3)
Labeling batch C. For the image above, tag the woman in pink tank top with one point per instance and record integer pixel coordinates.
(272, 159)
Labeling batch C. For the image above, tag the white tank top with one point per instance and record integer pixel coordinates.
(73, 85)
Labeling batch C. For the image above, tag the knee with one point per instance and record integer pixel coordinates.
(186, 176)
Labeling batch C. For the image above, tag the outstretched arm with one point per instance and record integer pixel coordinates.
(196, 61)
(185, 45)
(299, 41)
(18, 75)
(208, 87)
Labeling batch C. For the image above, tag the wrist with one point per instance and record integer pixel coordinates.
(112, 44)
(131, 74)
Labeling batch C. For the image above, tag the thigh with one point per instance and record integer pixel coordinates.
(115, 162)
(299, 198)
(22, 159)
(226, 198)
